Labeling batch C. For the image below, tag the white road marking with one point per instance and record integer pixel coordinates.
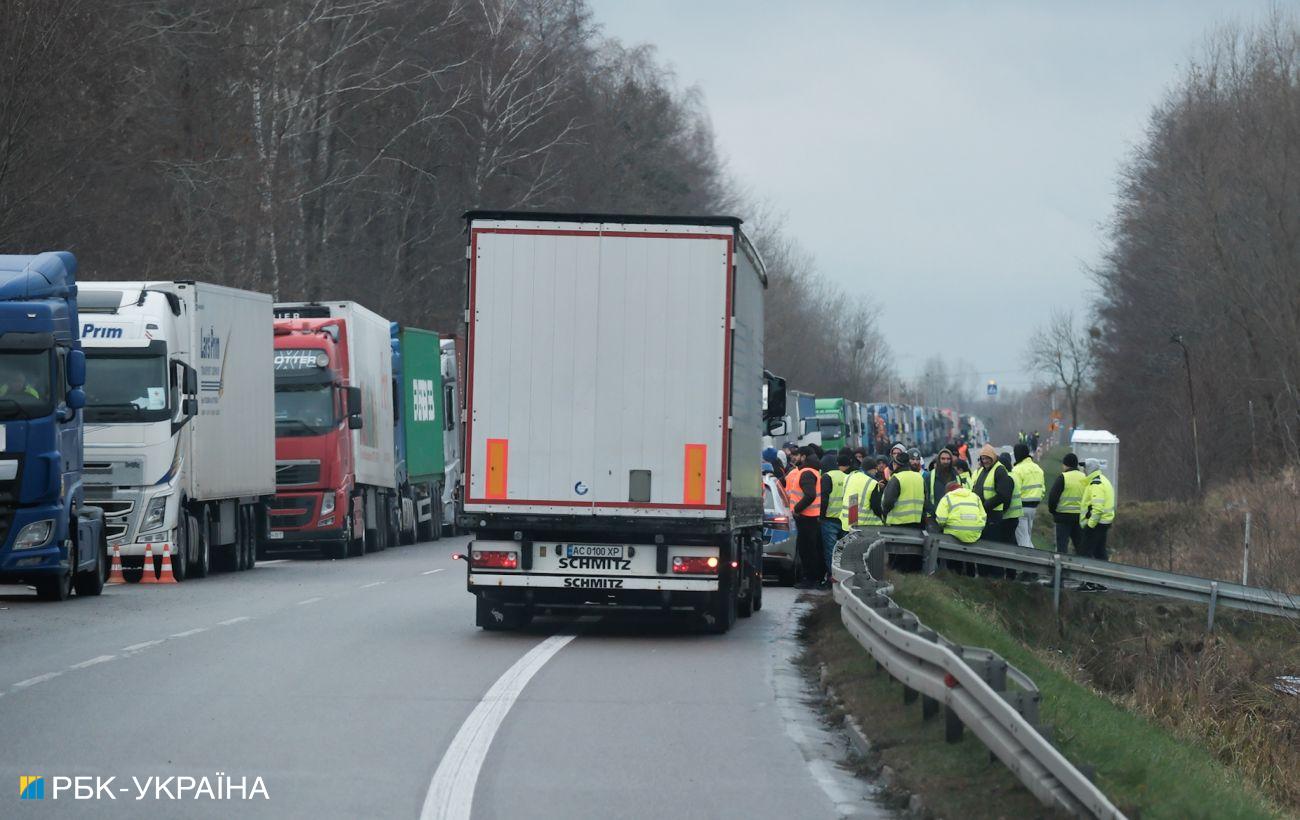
(190, 632)
(374, 584)
(23, 684)
(136, 647)
(310, 601)
(430, 572)
(272, 562)
(93, 661)
(232, 621)
(451, 792)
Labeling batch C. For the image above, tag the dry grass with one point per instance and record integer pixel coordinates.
(1205, 538)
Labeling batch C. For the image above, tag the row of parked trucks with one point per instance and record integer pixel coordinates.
(208, 421)
(614, 410)
(834, 423)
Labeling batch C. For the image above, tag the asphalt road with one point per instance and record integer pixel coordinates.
(361, 688)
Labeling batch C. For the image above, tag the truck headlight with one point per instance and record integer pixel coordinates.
(35, 534)
(154, 514)
(327, 504)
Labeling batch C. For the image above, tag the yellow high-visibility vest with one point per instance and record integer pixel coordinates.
(909, 507)
(961, 515)
(1098, 501)
(1031, 480)
(1071, 500)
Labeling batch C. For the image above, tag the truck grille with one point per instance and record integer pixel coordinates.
(291, 511)
(125, 473)
(297, 473)
(117, 516)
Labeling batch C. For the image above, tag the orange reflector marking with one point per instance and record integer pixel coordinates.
(693, 481)
(498, 461)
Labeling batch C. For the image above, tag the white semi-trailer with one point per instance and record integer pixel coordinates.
(180, 422)
(613, 416)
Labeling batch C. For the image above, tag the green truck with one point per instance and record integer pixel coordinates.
(425, 437)
(839, 424)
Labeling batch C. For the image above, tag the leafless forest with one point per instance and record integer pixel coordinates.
(1206, 244)
(327, 149)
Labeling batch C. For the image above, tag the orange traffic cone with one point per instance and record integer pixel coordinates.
(148, 576)
(115, 575)
(166, 577)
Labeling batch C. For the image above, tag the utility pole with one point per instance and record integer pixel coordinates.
(1177, 339)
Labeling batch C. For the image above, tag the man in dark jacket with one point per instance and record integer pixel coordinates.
(942, 473)
(994, 487)
(807, 521)
(1064, 502)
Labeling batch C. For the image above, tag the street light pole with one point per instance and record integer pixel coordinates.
(1177, 339)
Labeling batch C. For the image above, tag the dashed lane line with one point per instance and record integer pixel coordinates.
(310, 601)
(233, 621)
(136, 647)
(432, 571)
(93, 661)
(23, 684)
(372, 584)
(189, 632)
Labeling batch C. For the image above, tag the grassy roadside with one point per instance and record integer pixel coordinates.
(1143, 767)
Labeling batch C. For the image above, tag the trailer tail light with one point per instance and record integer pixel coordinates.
(695, 565)
(494, 559)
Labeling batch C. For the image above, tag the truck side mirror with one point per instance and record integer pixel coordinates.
(775, 390)
(189, 409)
(776, 427)
(76, 399)
(354, 401)
(354, 422)
(76, 364)
(191, 382)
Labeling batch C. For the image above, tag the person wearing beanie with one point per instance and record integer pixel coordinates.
(1065, 502)
(993, 486)
(1098, 511)
(902, 504)
(834, 481)
(1030, 476)
(770, 457)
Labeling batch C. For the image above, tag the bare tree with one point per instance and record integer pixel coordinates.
(1064, 354)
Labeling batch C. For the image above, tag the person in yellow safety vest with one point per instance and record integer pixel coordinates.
(834, 481)
(1098, 511)
(903, 501)
(1030, 476)
(856, 511)
(993, 485)
(1016, 509)
(803, 486)
(1065, 502)
(963, 473)
(960, 514)
(18, 385)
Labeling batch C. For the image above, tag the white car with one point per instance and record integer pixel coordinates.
(779, 555)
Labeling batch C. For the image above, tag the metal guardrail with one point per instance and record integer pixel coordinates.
(969, 682)
(1061, 568)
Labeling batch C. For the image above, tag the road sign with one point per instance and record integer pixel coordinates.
(993, 387)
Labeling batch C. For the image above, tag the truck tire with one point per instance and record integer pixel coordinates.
(199, 528)
(758, 598)
(359, 545)
(92, 583)
(181, 550)
(250, 537)
(57, 587)
(433, 530)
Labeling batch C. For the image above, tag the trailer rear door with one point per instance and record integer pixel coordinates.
(598, 368)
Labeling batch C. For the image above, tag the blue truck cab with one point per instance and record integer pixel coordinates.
(49, 537)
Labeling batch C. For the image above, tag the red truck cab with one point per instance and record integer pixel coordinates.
(316, 408)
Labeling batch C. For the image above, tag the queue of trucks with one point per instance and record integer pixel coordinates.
(211, 425)
(609, 458)
(835, 423)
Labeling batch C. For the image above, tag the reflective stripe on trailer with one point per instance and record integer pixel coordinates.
(589, 582)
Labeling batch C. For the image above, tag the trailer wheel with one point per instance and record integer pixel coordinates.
(199, 529)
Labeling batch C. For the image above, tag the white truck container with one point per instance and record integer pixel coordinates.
(180, 432)
(613, 415)
(1102, 445)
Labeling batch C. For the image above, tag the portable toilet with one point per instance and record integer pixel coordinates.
(1102, 445)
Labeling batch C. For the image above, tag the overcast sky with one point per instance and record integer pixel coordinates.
(935, 155)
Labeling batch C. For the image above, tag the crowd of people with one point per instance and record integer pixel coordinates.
(997, 499)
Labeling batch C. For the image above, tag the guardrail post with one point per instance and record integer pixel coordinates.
(875, 559)
(1056, 583)
(931, 554)
(1214, 600)
(929, 707)
(952, 725)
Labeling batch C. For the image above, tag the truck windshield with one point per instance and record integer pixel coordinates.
(830, 427)
(25, 384)
(304, 410)
(127, 385)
